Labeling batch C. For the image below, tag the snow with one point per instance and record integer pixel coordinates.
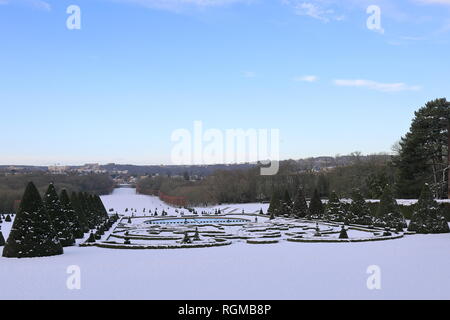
(413, 267)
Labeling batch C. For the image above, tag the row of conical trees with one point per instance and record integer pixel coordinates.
(43, 226)
(427, 216)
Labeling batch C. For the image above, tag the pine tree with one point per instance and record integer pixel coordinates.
(76, 204)
(8, 218)
(359, 211)
(316, 210)
(388, 214)
(300, 207)
(72, 217)
(60, 221)
(334, 209)
(32, 233)
(275, 204)
(423, 154)
(427, 217)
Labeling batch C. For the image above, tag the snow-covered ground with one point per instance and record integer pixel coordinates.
(414, 267)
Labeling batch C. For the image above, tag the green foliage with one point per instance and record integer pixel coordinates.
(427, 216)
(91, 238)
(316, 209)
(445, 210)
(2, 239)
(376, 182)
(247, 185)
(275, 204)
(72, 216)
(300, 207)
(286, 204)
(60, 221)
(334, 209)
(423, 154)
(12, 187)
(359, 211)
(343, 234)
(388, 213)
(186, 238)
(32, 233)
(79, 209)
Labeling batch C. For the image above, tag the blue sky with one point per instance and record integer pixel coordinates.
(137, 70)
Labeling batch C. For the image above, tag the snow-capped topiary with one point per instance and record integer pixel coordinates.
(32, 233)
(388, 214)
(72, 217)
(316, 209)
(60, 222)
(427, 217)
(300, 207)
(359, 211)
(334, 210)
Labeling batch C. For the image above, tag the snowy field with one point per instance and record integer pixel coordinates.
(126, 198)
(414, 267)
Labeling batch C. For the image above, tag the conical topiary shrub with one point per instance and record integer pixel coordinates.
(316, 210)
(343, 234)
(72, 217)
(196, 235)
(91, 238)
(2, 239)
(286, 204)
(59, 220)
(427, 217)
(359, 211)
(76, 204)
(32, 233)
(275, 204)
(388, 214)
(334, 210)
(186, 238)
(300, 207)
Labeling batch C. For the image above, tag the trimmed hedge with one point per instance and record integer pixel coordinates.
(262, 242)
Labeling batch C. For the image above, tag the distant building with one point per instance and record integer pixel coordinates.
(91, 168)
(58, 169)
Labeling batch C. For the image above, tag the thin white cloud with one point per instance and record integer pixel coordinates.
(309, 78)
(38, 4)
(177, 5)
(378, 86)
(316, 9)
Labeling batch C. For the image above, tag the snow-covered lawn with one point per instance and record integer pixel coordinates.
(414, 267)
